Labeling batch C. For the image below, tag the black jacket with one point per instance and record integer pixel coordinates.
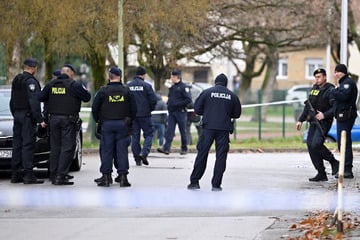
(218, 105)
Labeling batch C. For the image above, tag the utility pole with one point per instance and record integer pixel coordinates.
(121, 38)
(344, 35)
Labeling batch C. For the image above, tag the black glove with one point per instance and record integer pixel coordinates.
(98, 131)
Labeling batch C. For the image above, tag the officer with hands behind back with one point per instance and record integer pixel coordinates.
(319, 112)
(345, 100)
(26, 110)
(114, 107)
(178, 99)
(218, 106)
(63, 96)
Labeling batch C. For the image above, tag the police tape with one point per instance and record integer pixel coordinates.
(88, 109)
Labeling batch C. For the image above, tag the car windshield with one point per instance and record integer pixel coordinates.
(4, 102)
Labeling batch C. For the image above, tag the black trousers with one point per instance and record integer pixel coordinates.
(207, 138)
(317, 150)
(347, 126)
(62, 143)
(23, 142)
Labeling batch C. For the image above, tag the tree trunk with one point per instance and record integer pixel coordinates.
(97, 64)
(269, 83)
(13, 58)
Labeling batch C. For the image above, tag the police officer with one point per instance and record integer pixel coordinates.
(63, 97)
(319, 112)
(345, 100)
(178, 99)
(159, 120)
(218, 106)
(114, 108)
(25, 108)
(145, 101)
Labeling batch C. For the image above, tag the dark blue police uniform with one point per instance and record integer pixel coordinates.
(114, 108)
(145, 101)
(345, 100)
(63, 97)
(178, 99)
(218, 106)
(320, 99)
(25, 108)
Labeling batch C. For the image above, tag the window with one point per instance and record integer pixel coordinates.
(311, 65)
(282, 72)
(200, 76)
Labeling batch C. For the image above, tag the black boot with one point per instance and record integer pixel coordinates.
(60, 179)
(124, 181)
(29, 178)
(104, 181)
(16, 177)
(319, 177)
(334, 167)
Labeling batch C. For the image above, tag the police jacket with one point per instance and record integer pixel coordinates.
(179, 97)
(63, 96)
(144, 96)
(320, 99)
(114, 101)
(218, 105)
(24, 96)
(345, 96)
(159, 117)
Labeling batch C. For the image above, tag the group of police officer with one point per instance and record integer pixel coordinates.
(62, 98)
(324, 103)
(120, 112)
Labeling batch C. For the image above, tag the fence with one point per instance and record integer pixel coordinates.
(279, 122)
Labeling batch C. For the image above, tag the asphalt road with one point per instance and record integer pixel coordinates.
(259, 191)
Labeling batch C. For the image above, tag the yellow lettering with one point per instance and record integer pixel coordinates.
(116, 98)
(55, 90)
(314, 92)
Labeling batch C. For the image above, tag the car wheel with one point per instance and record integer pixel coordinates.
(77, 159)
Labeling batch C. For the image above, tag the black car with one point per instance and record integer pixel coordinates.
(42, 146)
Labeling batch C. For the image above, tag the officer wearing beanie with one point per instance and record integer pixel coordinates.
(345, 113)
(217, 106)
(25, 108)
(145, 101)
(63, 96)
(319, 112)
(114, 108)
(179, 98)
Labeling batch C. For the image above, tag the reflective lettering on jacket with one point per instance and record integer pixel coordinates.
(314, 92)
(116, 98)
(136, 88)
(220, 95)
(116, 104)
(58, 90)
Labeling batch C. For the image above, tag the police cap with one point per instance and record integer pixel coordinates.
(176, 72)
(115, 70)
(70, 66)
(57, 72)
(320, 70)
(31, 62)
(341, 68)
(140, 71)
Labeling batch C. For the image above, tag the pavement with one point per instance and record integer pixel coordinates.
(263, 195)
